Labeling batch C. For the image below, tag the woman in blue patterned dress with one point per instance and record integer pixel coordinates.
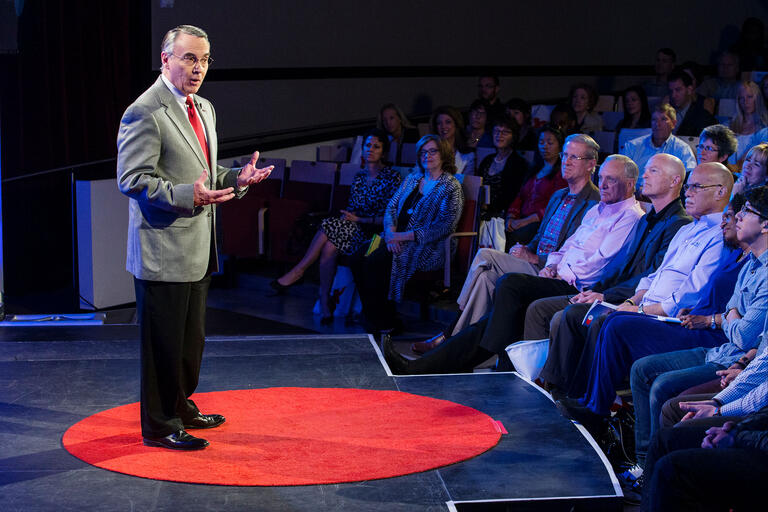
(417, 221)
(371, 190)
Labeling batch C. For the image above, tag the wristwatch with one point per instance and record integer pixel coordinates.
(640, 309)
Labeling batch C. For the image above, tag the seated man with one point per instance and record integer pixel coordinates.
(561, 219)
(627, 335)
(717, 467)
(656, 378)
(660, 140)
(664, 176)
(692, 117)
(579, 263)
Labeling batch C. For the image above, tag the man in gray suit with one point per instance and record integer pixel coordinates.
(166, 165)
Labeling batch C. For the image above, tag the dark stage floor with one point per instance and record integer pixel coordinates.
(46, 386)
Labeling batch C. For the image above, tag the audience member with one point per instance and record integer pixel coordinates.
(715, 465)
(660, 140)
(717, 143)
(751, 49)
(657, 378)
(477, 134)
(562, 218)
(754, 172)
(520, 110)
(630, 333)
(636, 111)
(448, 124)
(564, 118)
(663, 66)
(751, 117)
(526, 211)
(371, 190)
(583, 99)
(726, 84)
(488, 88)
(643, 256)
(399, 129)
(579, 263)
(504, 171)
(692, 117)
(417, 221)
(764, 89)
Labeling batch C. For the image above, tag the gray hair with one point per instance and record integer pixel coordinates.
(630, 167)
(723, 137)
(170, 37)
(594, 147)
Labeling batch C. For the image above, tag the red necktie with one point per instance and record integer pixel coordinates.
(198, 127)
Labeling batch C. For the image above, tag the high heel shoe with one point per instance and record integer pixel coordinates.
(281, 288)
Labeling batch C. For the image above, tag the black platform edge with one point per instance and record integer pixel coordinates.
(558, 504)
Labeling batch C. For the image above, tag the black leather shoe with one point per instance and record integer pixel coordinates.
(177, 441)
(282, 288)
(397, 363)
(205, 421)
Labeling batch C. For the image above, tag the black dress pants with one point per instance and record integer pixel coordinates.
(172, 326)
(572, 350)
(491, 334)
(680, 475)
(372, 274)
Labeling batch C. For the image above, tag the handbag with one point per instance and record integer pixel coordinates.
(493, 234)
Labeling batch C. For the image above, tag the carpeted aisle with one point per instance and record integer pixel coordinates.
(295, 436)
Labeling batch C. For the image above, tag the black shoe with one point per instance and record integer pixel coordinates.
(594, 423)
(177, 441)
(558, 394)
(205, 421)
(281, 288)
(397, 363)
(326, 320)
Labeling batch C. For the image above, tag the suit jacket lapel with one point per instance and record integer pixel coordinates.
(178, 116)
(210, 129)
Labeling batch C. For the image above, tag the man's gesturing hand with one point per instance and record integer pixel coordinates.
(250, 175)
(203, 195)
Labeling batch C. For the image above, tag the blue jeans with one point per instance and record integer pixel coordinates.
(659, 377)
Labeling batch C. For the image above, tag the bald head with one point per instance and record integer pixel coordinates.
(663, 178)
(709, 189)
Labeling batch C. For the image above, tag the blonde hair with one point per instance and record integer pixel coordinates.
(760, 115)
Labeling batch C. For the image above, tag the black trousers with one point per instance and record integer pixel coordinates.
(572, 350)
(172, 326)
(503, 325)
(680, 475)
(372, 275)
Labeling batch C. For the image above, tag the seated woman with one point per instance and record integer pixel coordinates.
(583, 99)
(372, 189)
(504, 171)
(754, 171)
(448, 124)
(477, 136)
(526, 211)
(751, 117)
(398, 128)
(716, 144)
(417, 221)
(636, 111)
(520, 110)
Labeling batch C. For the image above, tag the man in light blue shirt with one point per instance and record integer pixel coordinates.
(660, 140)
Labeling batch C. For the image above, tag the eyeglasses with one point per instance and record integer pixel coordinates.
(192, 60)
(568, 156)
(746, 209)
(496, 131)
(695, 188)
(428, 152)
(711, 149)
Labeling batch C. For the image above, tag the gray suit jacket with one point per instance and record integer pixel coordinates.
(158, 160)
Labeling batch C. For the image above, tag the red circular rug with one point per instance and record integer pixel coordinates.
(294, 436)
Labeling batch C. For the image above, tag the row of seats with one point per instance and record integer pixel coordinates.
(267, 221)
